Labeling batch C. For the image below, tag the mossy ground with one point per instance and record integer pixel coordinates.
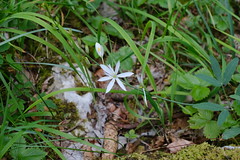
(202, 151)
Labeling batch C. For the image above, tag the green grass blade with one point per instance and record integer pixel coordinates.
(59, 153)
(150, 42)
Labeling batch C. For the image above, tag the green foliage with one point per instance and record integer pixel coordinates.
(221, 79)
(231, 133)
(198, 87)
(20, 151)
(211, 129)
(131, 134)
(123, 55)
(198, 92)
(90, 40)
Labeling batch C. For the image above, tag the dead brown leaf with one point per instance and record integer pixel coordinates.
(178, 144)
(157, 142)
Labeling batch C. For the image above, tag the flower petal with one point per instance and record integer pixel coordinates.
(105, 78)
(110, 85)
(117, 67)
(106, 69)
(113, 73)
(121, 84)
(126, 74)
(99, 49)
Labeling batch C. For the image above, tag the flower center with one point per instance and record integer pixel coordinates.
(114, 76)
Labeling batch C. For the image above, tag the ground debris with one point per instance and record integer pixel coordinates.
(110, 142)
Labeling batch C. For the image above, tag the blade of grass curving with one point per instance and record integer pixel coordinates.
(227, 34)
(67, 136)
(134, 49)
(33, 17)
(230, 22)
(198, 49)
(134, 113)
(37, 114)
(208, 29)
(228, 46)
(226, 9)
(84, 89)
(157, 108)
(150, 42)
(59, 153)
(4, 115)
(31, 32)
(66, 45)
(19, 105)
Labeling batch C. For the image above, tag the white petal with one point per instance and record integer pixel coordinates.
(111, 68)
(99, 49)
(105, 78)
(106, 69)
(121, 84)
(126, 74)
(117, 67)
(110, 85)
(144, 97)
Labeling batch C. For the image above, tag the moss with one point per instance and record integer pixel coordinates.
(66, 111)
(194, 152)
(206, 151)
(134, 156)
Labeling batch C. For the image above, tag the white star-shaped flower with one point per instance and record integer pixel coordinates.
(99, 49)
(113, 76)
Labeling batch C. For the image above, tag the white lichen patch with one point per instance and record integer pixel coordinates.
(64, 77)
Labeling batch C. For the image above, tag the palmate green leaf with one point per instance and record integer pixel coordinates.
(199, 92)
(199, 120)
(231, 133)
(223, 117)
(210, 80)
(121, 55)
(187, 81)
(31, 154)
(211, 129)
(230, 69)
(18, 147)
(209, 106)
(216, 67)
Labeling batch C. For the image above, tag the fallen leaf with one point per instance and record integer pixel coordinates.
(159, 141)
(178, 144)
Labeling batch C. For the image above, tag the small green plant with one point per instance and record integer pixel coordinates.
(131, 134)
(204, 118)
(20, 150)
